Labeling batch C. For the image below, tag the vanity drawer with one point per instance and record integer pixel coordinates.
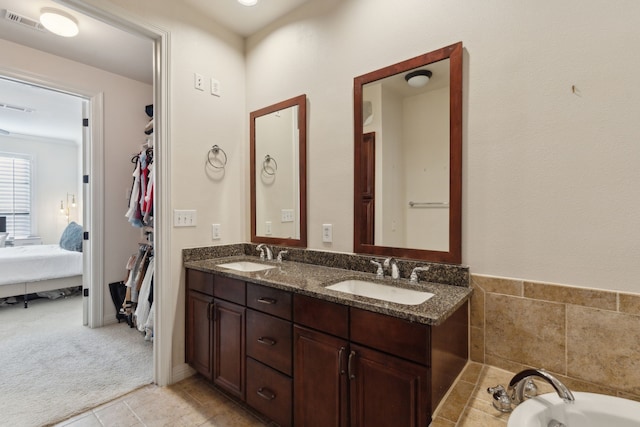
(269, 300)
(392, 335)
(200, 281)
(322, 315)
(229, 289)
(269, 340)
(269, 392)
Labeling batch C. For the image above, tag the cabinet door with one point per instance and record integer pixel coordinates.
(199, 334)
(228, 347)
(320, 381)
(387, 391)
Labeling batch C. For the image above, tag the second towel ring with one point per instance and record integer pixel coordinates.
(215, 150)
(265, 165)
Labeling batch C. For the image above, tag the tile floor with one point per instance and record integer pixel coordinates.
(192, 402)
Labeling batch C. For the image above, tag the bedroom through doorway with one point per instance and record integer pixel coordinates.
(41, 194)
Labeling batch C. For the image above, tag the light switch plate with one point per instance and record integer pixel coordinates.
(286, 215)
(184, 218)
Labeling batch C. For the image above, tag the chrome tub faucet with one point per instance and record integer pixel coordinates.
(522, 386)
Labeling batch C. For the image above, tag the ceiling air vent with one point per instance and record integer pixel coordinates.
(23, 20)
(17, 108)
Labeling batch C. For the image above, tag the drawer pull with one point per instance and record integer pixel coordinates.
(267, 341)
(265, 300)
(340, 367)
(352, 355)
(266, 394)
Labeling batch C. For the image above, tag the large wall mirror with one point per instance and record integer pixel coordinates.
(278, 138)
(408, 158)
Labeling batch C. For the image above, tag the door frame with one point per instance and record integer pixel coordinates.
(163, 325)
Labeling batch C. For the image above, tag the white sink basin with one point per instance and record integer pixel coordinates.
(588, 410)
(246, 266)
(382, 292)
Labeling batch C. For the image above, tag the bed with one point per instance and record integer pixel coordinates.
(26, 270)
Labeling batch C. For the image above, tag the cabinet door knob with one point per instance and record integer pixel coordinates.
(266, 394)
(352, 356)
(267, 341)
(265, 300)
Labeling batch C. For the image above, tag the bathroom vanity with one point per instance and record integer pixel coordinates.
(304, 355)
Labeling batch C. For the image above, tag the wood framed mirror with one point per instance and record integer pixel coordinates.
(278, 165)
(408, 158)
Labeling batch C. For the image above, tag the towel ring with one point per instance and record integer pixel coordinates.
(215, 150)
(265, 165)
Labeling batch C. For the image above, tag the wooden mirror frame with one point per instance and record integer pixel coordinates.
(301, 102)
(454, 255)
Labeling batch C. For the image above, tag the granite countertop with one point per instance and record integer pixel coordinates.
(311, 280)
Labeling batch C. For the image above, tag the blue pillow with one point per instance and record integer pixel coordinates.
(71, 238)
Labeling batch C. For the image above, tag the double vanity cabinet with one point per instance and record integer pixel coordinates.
(302, 360)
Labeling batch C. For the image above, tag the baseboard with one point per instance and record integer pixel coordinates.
(181, 372)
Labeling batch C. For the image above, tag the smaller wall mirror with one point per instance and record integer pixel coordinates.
(278, 165)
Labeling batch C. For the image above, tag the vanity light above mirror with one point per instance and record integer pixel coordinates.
(278, 173)
(408, 158)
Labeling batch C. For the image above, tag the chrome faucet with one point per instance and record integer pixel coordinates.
(262, 248)
(518, 382)
(395, 271)
(414, 273)
(280, 255)
(379, 270)
(522, 385)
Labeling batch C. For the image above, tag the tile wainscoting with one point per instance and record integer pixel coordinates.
(589, 338)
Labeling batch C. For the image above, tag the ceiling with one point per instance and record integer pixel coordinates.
(102, 46)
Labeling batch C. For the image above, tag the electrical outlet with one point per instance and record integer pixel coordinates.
(327, 233)
(286, 215)
(215, 87)
(184, 218)
(198, 81)
(215, 231)
(267, 228)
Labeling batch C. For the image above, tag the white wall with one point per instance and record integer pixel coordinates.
(124, 121)
(55, 173)
(550, 177)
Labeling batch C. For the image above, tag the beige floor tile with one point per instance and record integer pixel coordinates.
(82, 420)
(117, 414)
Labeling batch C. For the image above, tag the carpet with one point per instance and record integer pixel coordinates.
(52, 367)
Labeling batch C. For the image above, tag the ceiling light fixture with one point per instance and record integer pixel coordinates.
(418, 78)
(248, 2)
(59, 22)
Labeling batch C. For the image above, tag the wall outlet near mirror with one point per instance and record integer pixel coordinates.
(267, 228)
(215, 231)
(327, 233)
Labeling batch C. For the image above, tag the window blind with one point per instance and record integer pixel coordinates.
(15, 193)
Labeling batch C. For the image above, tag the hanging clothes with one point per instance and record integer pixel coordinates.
(140, 211)
(144, 305)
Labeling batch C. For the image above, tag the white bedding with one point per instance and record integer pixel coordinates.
(32, 263)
